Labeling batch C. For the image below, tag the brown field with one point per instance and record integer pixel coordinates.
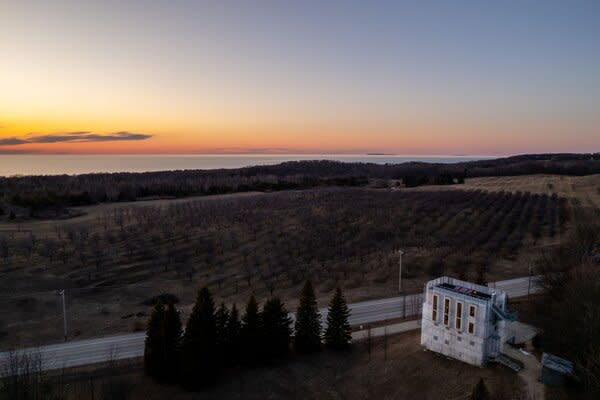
(584, 188)
(399, 370)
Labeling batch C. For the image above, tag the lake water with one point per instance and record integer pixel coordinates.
(78, 164)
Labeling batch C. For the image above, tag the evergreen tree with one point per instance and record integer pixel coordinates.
(251, 333)
(308, 322)
(154, 343)
(276, 329)
(221, 318)
(480, 391)
(172, 338)
(198, 347)
(232, 335)
(338, 333)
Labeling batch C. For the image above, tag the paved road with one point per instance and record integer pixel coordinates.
(118, 347)
(518, 287)
(392, 329)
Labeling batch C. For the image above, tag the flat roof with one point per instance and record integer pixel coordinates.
(465, 291)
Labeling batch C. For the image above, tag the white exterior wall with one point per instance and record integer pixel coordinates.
(459, 343)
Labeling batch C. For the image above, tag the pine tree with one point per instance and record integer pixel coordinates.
(154, 343)
(308, 322)
(276, 329)
(233, 337)
(251, 333)
(221, 318)
(172, 340)
(338, 333)
(480, 391)
(198, 347)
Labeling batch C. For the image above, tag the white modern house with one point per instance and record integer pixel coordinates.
(465, 321)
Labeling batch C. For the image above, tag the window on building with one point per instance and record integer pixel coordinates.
(471, 327)
(446, 311)
(472, 310)
(434, 308)
(459, 310)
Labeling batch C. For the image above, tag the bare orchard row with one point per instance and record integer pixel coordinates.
(284, 238)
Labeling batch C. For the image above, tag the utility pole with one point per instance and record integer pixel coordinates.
(369, 340)
(400, 253)
(61, 293)
(385, 341)
(403, 306)
(529, 285)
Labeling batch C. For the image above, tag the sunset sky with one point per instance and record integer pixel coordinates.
(419, 77)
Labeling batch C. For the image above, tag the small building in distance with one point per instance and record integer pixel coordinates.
(555, 370)
(466, 321)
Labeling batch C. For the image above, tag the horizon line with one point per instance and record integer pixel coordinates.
(291, 153)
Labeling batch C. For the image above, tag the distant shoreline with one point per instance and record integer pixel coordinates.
(74, 164)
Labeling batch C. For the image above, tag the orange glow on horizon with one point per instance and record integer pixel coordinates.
(411, 137)
(416, 133)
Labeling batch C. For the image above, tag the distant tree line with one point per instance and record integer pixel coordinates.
(50, 195)
(440, 179)
(560, 164)
(216, 340)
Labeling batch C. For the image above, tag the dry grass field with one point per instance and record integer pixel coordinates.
(584, 188)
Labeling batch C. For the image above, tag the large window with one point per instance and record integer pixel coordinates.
(434, 308)
(472, 316)
(446, 311)
(471, 327)
(459, 310)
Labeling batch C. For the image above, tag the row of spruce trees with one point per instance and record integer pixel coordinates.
(217, 339)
